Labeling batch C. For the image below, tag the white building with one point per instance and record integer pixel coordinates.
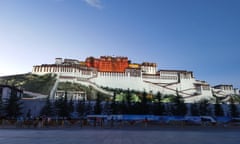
(74, 95)
(136, 76)
(224, 90)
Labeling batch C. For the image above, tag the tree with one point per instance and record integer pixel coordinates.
(144, 109)
(122, 106)
(81, 107)
(128, 98)
(113, 104)
(71, 105)
(107, 108)
(13, 105)
(194, 109)
(97, 107)
(179, 109)
(204, 107)
(47, 110)
(218, 108)
(158, 106)
(29, 114)
(88, 108)
(1, 105)
(233, 108)
(62, 106)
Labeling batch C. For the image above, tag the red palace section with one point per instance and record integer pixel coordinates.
(108, 63)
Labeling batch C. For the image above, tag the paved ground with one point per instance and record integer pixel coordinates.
(120, 136)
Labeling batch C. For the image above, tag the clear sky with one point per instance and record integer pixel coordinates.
(202, 36)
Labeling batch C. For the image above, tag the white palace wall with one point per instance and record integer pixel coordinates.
(153, 84)
(164, 81)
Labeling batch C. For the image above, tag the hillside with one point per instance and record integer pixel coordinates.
(43, 84)
(29, 82)
(91, 92)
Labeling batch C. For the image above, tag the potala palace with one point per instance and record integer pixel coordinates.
(120, 72)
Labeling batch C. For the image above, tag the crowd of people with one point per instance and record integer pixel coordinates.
(95, 122)
(48, 122)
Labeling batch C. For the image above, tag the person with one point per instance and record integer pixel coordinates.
(81, 122)
(3, 122)
(102, 122)
(48, 121)
(112, 122)
(95, 121)
(40, 122)
(145, 122)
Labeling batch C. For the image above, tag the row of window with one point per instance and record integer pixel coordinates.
(113, 74)
(185, 76)
(203, 87)
(169, 77)
(168, 73)
(227, 88)
(54, 69)
(60, 69)
(86, 72)
(206, 87)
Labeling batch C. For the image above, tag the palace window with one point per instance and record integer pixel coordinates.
(205, 87)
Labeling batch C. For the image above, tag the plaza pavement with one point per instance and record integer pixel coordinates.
(90, 135)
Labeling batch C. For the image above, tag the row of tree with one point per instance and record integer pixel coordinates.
(64, 107)
(11, 107)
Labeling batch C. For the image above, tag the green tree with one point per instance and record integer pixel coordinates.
(158, 106)
(29, 113)
(113, 104)
(179, 108)
(62, 106)
(194, 109)
(47, 109)
(98, 107)
(1, 105)
(128, 98)
(204, 107)
(81, 107)
(107, 108)
(89, 108)
(13, 105)
(218, 108)
(233, 108)
(144, 108)
(123, 106)
(71, 105)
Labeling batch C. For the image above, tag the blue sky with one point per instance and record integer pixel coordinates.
(202, 36)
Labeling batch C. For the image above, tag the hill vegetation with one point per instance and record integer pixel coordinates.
(29, 82)
(91, 92)
(122, 101)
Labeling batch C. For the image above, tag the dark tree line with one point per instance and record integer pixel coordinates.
(233, 109)
(64, 107)
(176, 107)
(147, 106)
(11, 107)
